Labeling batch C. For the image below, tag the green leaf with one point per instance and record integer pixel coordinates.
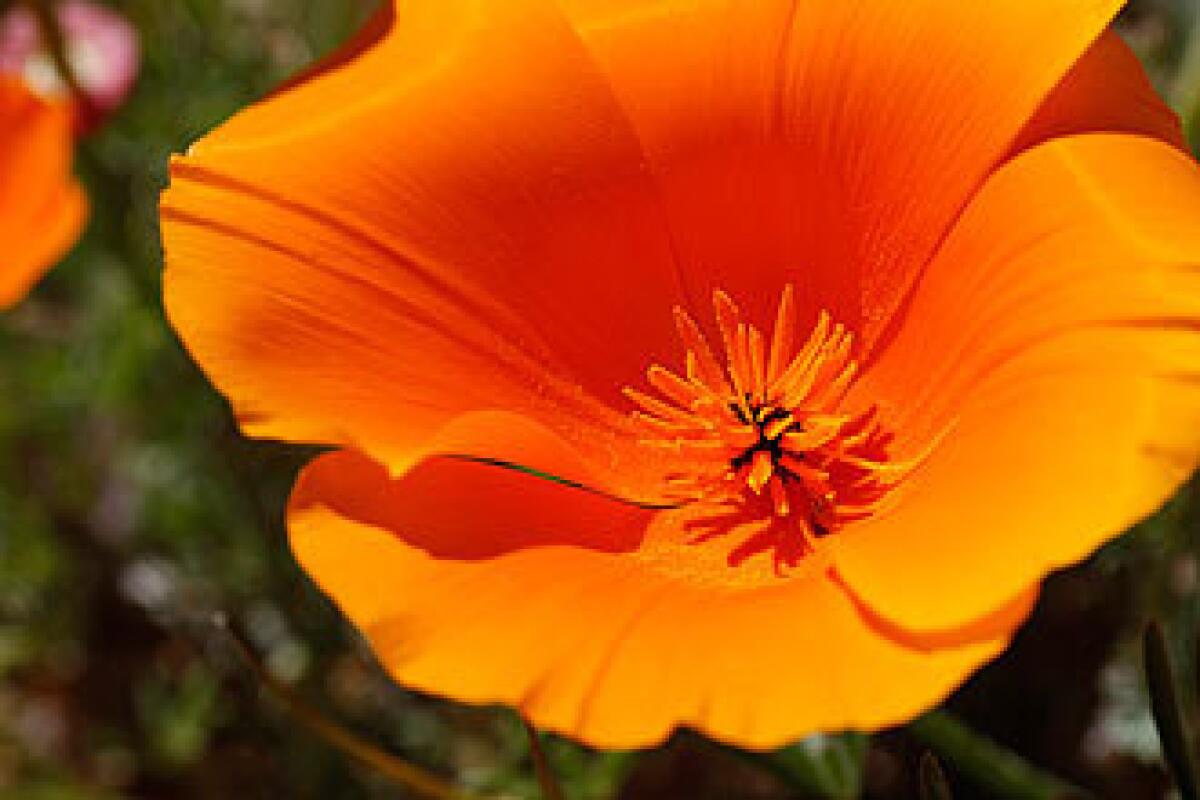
(993, 768)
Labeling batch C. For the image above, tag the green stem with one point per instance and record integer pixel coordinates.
(829, 766)
(395, 769)
(995, 769)
(1185, 95)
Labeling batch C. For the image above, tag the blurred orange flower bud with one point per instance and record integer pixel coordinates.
(42, 208)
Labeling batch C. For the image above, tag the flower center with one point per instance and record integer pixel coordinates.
(764, 433)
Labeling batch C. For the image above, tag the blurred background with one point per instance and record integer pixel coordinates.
(131, 510)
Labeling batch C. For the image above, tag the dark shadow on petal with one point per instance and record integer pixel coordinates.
(455, 508)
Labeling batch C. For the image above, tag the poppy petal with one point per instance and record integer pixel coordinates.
(455, 218)
(1106, 91)
(42, 209)
(826, 143)
(318, 337)
(1054, 343)
(589, 637)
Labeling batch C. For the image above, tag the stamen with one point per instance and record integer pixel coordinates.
(835, 392)
(804, 362)
(810, 439)
(733, 334)
(779, 498)
(784, 337)
(761, 470)
(673, 387)
(701, 359)
(744, 437)
(767, 432)
(757, 364)
(657, 408)
(660, 424)
(742, 362)
(776, 429)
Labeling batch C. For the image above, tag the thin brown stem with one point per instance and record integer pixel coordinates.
(336, 735)
(45, 12)
(541, 765)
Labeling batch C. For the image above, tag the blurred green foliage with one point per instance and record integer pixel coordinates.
(130, 509)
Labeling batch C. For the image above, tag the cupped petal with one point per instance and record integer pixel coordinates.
(318, 335)
(451, 216)
(1054, 345)
(490, 586)
(827, 143)
(1106, 91)
(42, 208)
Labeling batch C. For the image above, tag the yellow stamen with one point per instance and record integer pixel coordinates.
(664, 411)
(779, 498)
(700, 357)
(758, 378)
(810, 439)
(673, 387)
(761, 470)
(784, 336)
(775, 429)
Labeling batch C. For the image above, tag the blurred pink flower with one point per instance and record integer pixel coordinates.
(101, 46)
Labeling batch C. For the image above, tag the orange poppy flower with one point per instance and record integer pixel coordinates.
(42, 208)
(742, 366)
